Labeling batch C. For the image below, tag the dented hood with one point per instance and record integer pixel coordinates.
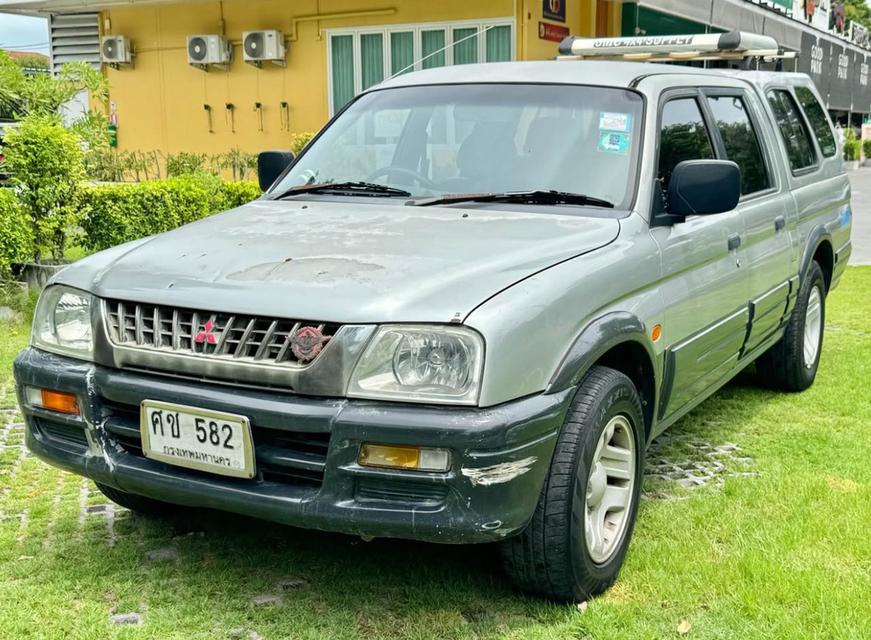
(341, 261)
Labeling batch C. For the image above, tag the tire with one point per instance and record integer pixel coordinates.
(788, 365)
(552, 557)
(137, 504)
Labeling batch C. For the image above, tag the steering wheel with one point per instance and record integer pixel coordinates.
(421, 179)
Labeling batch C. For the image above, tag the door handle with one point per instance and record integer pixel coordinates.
(734, 241)
(779, 223)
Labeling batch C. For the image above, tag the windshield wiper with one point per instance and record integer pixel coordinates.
(352, 188)
(538, 196)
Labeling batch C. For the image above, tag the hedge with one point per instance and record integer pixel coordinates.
(115, 213)
(16, 232)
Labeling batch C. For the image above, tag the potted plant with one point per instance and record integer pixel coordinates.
(852, 150)
(866, 148)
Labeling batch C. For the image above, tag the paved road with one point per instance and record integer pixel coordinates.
(861, 181)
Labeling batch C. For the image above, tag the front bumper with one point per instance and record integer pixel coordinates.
(306, 451)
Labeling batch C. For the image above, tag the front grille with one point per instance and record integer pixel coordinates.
(291, 457)
(225, 336)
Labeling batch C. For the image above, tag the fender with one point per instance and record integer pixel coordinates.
(594, 341)
(814, 239)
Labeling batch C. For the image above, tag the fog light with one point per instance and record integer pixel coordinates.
(59, 401)
(414, 458)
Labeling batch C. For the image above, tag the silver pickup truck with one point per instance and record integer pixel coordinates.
(463, 312)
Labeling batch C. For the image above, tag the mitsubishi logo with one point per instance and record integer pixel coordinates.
(207, 334)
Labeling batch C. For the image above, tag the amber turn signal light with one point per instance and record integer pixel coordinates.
(411, 458)
(59, 401)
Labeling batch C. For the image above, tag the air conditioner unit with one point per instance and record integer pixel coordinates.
(209, 50)
(263, 46)
(115, 50)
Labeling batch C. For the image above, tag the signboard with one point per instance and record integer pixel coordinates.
(816, 12)
(552, 32)
(859, 34)
(841, 75)
(554, 10)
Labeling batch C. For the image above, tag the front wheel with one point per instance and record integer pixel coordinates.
(792, 363)
(576, 542)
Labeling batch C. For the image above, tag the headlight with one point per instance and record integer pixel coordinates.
(62, 322)
(417, 363)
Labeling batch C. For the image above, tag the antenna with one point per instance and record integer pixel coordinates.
(480, 32)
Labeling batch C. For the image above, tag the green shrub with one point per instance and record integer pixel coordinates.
(866, 147)
(852, 145)
(46, 165)
(16, 233)
(115, 213)
(235, 194)
(299, 140)
(184, 163)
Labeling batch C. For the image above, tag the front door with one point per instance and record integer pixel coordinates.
(704, 289)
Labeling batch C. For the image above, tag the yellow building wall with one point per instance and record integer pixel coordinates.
(160, 100)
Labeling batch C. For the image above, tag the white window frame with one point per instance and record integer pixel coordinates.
(415, 28)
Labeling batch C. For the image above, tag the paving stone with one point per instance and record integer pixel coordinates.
(266, 601)
(125, 618)
(289, 584)
(696, 465)
(239, 634)
(163, 554)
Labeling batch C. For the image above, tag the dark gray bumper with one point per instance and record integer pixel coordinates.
(306, 453)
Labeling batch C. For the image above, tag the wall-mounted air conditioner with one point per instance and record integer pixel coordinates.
(263, 46)
(115, 50)
(211, 50)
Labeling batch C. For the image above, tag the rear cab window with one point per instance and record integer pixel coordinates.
(793, 131)
(818, 120)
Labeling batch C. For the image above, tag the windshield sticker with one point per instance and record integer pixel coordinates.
(614, 142)
(609, 121)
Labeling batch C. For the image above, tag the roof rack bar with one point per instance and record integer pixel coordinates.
(734, 45)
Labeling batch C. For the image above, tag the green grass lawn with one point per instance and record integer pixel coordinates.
(778, 547)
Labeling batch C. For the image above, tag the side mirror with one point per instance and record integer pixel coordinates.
(270, 165)
(704, 187)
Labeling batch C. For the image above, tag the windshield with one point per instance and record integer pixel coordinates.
(482, 138)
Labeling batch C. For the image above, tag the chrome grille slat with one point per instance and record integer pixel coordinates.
(238, 337)
(228, 328)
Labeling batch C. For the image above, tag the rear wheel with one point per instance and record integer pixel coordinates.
(575, 544)
(137, 504)
(791, 364)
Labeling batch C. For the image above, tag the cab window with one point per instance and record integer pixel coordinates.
(818, 119)
(683, 136)
(740, 141)
(793, 130)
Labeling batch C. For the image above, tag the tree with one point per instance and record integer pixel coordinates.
(45, 162)
(859, 11)
(35, 61)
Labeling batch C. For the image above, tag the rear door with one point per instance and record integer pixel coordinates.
(766, 253)
(704, 289)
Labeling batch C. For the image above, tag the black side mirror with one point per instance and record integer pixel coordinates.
(704, 187)
(270, 165)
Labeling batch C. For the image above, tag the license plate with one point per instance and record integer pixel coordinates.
(197, 438)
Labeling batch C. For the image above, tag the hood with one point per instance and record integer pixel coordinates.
(341, 262)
